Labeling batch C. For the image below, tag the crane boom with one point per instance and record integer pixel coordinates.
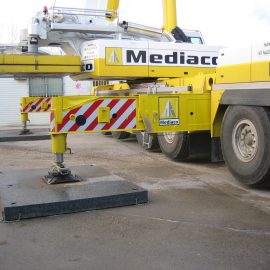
(112, 5)
(169, 15)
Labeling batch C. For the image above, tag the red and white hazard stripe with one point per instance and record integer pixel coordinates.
(52, 122)
(35, 106)
(122, 116)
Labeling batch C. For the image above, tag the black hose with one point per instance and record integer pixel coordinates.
(179, 35)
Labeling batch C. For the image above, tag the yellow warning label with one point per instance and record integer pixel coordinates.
(114, 56)
(168, 111)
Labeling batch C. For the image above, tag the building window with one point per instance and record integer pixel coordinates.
(45, 87)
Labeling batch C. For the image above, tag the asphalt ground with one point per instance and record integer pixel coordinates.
(15, 134)
(198, 215)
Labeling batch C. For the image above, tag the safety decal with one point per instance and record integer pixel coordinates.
(52, 122)
(122, 115)
(114, 56)
(38, 105)
(168, 111)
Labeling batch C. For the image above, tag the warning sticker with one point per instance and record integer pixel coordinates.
(114, 56)
(168, 111)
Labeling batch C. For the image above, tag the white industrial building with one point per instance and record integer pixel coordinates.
(11, 90)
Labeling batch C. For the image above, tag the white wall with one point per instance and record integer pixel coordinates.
(12, 90)
(76, 87)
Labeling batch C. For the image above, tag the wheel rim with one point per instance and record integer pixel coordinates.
(169, 136)
(245, 140)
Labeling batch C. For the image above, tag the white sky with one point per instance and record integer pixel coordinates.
(222, 22)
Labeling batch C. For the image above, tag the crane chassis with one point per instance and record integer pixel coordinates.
(172, 91)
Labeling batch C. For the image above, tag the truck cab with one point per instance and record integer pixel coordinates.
(194, 36)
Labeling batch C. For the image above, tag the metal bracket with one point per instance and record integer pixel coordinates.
(59, 174)
(25, 131)
(147, 140)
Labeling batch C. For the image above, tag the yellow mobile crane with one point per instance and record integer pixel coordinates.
(190, 94)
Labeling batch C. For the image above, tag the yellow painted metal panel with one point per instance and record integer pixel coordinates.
(170, 72)
(18, 59)
(260, 71)
(113, 5)
(63, 60)
(103, 114)
(169, 15)
(155, 113)
(194, 112)
(233, 73)
(71, 102)
(104, 70)
(23, 69)
(39, 64)
(215, 119)
(14, 59)
(59, 143)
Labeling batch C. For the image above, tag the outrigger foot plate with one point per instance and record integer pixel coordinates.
(60, 179)
(24, 195)
(59, 174)
(25, 131)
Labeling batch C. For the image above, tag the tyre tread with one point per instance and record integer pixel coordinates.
(232, 113)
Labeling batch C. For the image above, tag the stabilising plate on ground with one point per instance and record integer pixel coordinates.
(13, 135)
(23, 194)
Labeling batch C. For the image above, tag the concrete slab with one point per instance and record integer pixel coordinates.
(13, 135)
(198, 216)
(23, 194)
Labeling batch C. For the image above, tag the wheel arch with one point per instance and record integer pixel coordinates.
(221, 100)
(243, 97)
(251, 97)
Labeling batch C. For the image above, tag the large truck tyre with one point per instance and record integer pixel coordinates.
(147, 141)
(174, 144)
(245, 143)
(120, 135)
(183, 146)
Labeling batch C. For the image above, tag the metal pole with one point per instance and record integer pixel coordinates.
(59, 158)
(169, 15)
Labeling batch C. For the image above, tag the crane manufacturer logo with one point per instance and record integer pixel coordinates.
(168, 111)
(155, 57)
(114, 56)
